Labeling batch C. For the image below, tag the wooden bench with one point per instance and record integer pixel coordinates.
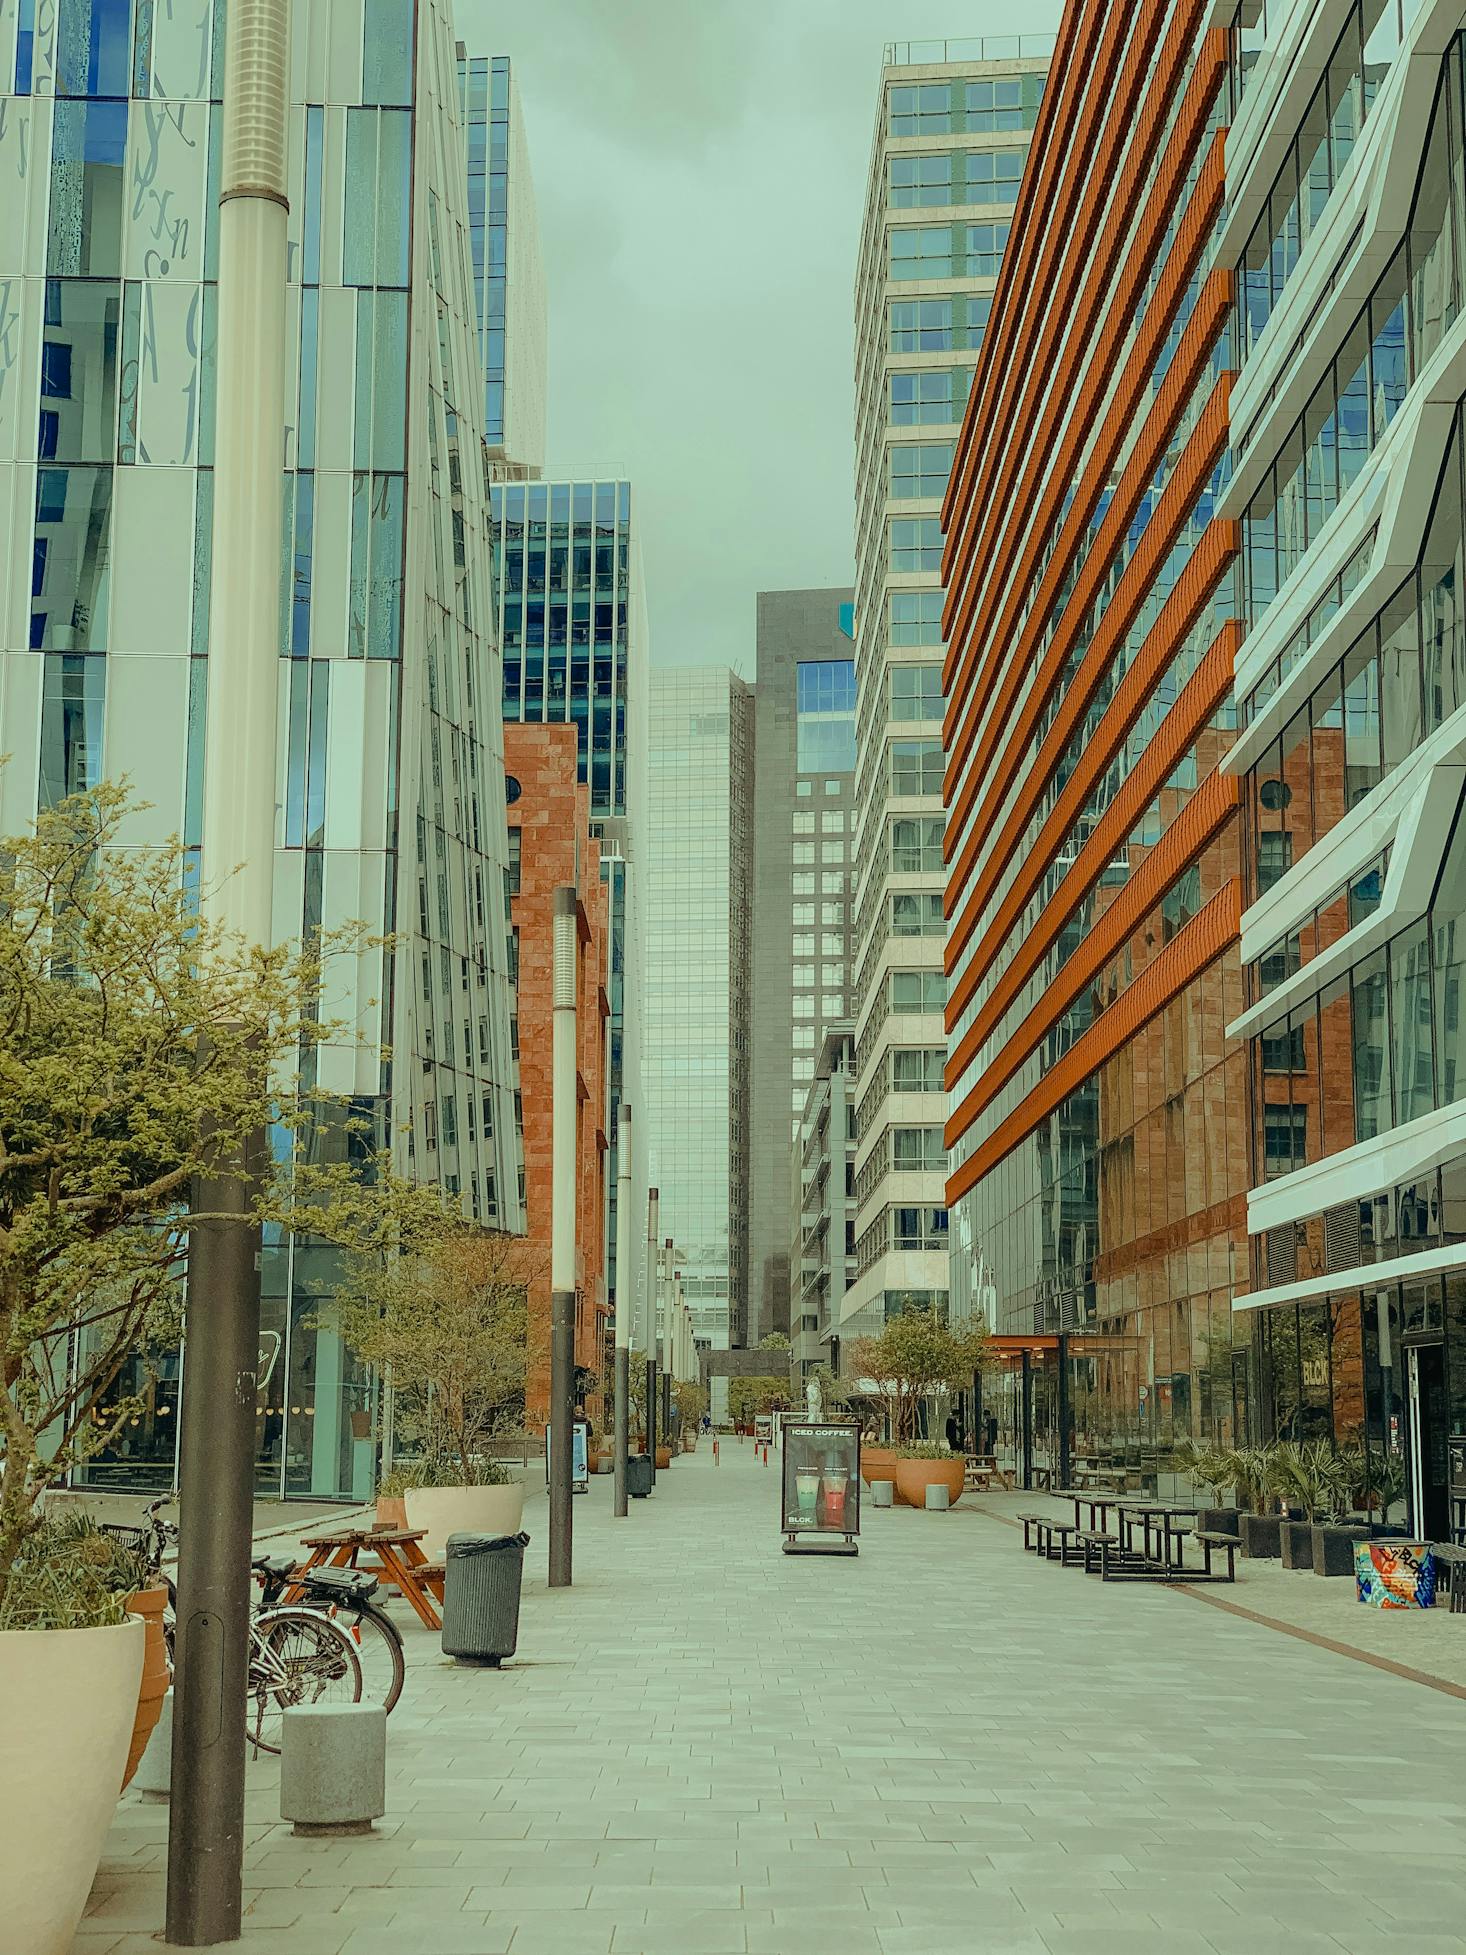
(1034, 1530)
(1060, 1531)
(1209, 1541)
(1096, 1543)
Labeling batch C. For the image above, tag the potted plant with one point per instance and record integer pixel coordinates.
(1258, 1521)
(922, 1465)
(448, 1313)
(1365, 1481)
(392, 1495)
(1210, 1467)
(1306, 1476)
(915, 1357)
(71, 1655)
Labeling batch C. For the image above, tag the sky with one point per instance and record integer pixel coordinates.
(700, 168)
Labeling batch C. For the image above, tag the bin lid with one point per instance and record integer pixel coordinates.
(462, 1545)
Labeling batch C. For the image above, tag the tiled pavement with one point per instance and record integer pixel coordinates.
(707, 1748)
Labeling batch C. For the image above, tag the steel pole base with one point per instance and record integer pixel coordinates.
(562, 1434)
(621, 1443)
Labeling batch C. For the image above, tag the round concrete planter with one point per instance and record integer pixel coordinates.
(148, 1604)
(441, 1511)
(877, 1463)
(914, 1476)
(71, 1700)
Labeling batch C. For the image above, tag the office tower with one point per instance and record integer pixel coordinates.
(953, 127)
(698, 970)
(391, 795)
(551, 848)
(822, 1255)
(572, 627)
(804, 761)
(508, 277)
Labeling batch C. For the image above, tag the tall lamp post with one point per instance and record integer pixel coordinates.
(217, 1436)
(562, 1241)
(668, 1302)
(651, 1330)
(624, 1311)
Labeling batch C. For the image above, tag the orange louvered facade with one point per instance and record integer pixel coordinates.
(1098, 1128)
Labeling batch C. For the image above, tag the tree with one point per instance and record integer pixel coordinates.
(916, 1355)
(748, 1397)
(446, 1318)
(139, 1045)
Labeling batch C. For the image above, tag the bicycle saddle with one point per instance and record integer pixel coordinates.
(274, 1564)
(355, 1582)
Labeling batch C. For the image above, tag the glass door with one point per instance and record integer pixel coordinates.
(1425, 1448)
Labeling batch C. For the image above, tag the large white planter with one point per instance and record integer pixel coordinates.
(69, 1696)
(442, 1511)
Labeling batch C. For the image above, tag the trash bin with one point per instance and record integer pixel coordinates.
(639, 1476)
(481, 1582)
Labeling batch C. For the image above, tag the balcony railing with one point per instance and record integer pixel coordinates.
(978, 47)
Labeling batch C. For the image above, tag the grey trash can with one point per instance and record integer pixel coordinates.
(639, 1476)
(482, 1575)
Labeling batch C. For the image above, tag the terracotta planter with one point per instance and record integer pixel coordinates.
(391, 1510)
(664, 1458)
(71, 1696)
(441, 1511)
(877, 1463)
(149, 1604)
(914, 1476)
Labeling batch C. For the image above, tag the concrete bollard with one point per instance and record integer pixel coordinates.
(333, 1767)
(938, 1498)
(882, 1493)
(154, 1774)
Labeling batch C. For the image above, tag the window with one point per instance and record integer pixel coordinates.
(922, 325)
(832, 1004)
(803, 852)
(916, 766)
(1011, 103)
(803, 821)
(516, 840)
(803, 946)
(916, 844)
(378, 196)
(803, 917)
(916, 691)
(832, 944)
(918, 1228)
(992, 176)
(825, 737)
(923, 251)
(1283, 1051)
(913, 181)
(916, 617)
(804, 1007)
(921, 110)
(72, 557)
(917, 1150)
(804, 789)
(1274, 859)
(832, 852)
(1284, 1139)
(803, 883)
(919, 471)
(918, 991)
(915, 543)
(917, 913)
(79, 371)
(71, 726)
(833, 787)
(918, 1069)
(832, 913)
(802, 974)
(832, 821)
(985, 243)
(832, 884)
(803, 1037)
(88, 145)
(937, 396)
(92, 47)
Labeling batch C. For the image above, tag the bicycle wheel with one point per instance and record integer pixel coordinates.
(378, 1650)
(297, 1656)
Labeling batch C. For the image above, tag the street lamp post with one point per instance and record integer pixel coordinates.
(651, 1331)
(562, 1241)
(668, 1299)
(217, 1421)
(624, 1311)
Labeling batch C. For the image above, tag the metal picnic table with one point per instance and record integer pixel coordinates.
(400, 1562)
(1155, 1517)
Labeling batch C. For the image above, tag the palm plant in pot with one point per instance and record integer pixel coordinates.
(1211, 1467)
(1306, 1476)
(1258, 1521)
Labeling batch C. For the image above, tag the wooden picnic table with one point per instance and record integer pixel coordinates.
(1155, 1517)
(400, 1562)
(983, 1469)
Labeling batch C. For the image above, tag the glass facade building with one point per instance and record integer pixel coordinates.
(571, 620)
(951, 141)
(508, 278)
(695, 1077)
(390, 791)
(804, 757)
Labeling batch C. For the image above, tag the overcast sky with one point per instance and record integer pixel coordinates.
(700, 168)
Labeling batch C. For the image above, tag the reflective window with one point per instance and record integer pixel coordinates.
(381, 380)
(71, 726)
(918, 991)
(916, 766)
(88, 148)
(916, 543)
(93, 47)
(386, 68)
(378, 196)
(919, 471)
(916, 691)
(71, 559)
(916, 617)
(930, 398)
(79, 370)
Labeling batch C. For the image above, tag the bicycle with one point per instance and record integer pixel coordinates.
(338, 1593)
(297, 1655)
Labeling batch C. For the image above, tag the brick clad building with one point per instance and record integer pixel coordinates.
(550, 848)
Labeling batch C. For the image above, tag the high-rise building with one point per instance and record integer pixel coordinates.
(391, 785)
(952, 133)
(804, 817)
(508, 277)
(822, 1256)
(572, 625)
(695, 1072)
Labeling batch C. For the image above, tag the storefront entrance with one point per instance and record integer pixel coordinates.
(1426, 1432)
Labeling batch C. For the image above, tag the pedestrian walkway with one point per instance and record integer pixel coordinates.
(941, 1748)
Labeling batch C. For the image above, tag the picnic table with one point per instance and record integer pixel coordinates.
(400, 1562)
(1155, 1517)
(1097, 1503)
(982, 1470)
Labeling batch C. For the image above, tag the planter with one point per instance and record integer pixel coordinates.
(441, 1511)
(914, 1476)
(877, 1463)
(149, 1604)
(1261, 1536)
(664, 1458)
(1333, 1548)
(391, 1510)
(71, 1698)
(1296, 1541)
(1216, 1520)
(689, 1444)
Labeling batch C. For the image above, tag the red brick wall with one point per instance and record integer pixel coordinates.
(552, 813)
